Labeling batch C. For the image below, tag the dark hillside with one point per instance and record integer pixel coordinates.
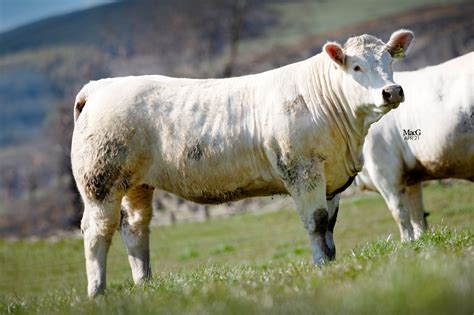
(136, 27)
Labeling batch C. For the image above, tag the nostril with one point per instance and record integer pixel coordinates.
(386, 95)
(401, 93)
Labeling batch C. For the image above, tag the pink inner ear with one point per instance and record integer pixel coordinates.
(403, 40)
(335, 53)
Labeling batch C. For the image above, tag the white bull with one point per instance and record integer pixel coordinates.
(295, 130)
(430, 137)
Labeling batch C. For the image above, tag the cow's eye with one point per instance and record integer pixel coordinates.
(357, 68)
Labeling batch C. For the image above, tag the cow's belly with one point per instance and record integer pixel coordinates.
(232, 192)
(439, 169)
(454, 159)
(214, 181)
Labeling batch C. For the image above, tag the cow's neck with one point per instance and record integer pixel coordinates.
(332, 103)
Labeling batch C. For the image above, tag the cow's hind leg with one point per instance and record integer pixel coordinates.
(333, 209)
(99, 222)
(134, 228)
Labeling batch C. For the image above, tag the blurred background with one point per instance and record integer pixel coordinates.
(49, 49)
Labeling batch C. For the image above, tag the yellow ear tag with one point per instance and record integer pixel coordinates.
(398, 52)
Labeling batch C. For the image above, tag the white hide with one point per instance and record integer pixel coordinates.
(440, 104)
(295, 130)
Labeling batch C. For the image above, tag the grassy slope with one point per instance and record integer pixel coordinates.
(261, 263)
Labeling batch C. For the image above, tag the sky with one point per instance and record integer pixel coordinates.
(14, 13)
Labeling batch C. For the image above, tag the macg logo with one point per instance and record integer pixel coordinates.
(409, 134)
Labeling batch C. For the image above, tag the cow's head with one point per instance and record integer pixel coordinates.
(366, 65)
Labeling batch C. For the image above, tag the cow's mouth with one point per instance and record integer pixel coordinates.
(395, 105)
(389, 106)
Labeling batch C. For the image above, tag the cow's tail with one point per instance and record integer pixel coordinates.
(82, 98)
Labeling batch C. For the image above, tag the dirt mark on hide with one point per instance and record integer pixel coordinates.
(195, 153)
(108, 171)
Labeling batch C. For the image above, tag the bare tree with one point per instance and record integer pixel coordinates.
(63, 126)
(238, 10)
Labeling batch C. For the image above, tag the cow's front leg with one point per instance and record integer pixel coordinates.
(312, 207)
(417, 212)
(399, 205)
(306, 184)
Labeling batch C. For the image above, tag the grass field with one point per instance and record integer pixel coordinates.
(260, 263)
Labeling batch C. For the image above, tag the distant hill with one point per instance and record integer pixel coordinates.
(442, 32)
(44, 64)
(47, 62)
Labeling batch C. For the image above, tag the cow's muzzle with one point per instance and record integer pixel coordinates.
(393, 94)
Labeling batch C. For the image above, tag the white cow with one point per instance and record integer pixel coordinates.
(430, 137)
(295, 130)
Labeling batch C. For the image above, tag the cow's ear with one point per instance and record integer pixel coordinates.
(399, 43)
(334, 51)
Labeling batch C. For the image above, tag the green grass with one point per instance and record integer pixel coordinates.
(260, 263)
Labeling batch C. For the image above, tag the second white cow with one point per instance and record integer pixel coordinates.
(295, 130)
(430, 137)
